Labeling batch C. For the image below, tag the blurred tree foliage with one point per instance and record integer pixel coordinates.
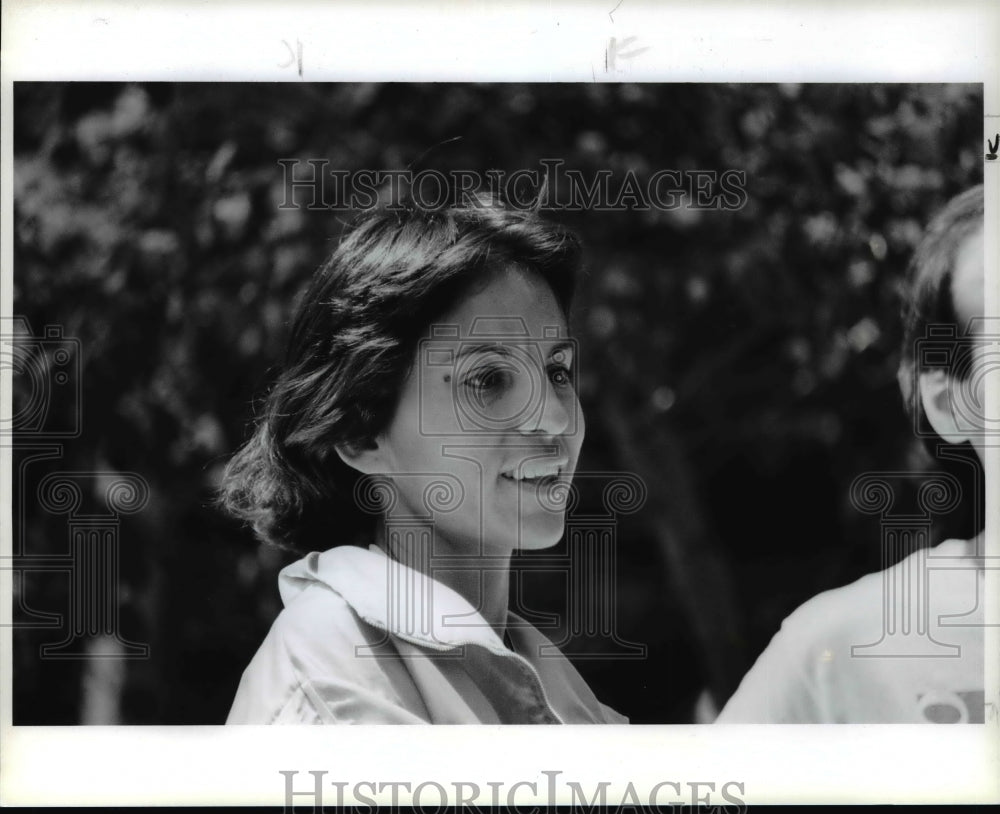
(742, 362)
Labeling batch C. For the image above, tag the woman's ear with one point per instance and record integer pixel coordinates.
(942, 398)
(366, 458)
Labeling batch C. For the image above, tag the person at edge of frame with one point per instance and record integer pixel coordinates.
(411, 454)
(904, 645)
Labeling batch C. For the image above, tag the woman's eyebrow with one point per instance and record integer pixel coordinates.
(505, 349)
(484, 347)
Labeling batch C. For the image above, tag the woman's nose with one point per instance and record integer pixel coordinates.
(552, 415)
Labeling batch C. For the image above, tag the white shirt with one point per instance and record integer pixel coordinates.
(925, 616)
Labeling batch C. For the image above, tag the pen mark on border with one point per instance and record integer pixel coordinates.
(294, 55)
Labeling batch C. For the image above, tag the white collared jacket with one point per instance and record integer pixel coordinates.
(363, 639)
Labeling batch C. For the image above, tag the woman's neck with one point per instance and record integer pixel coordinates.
(484, 582)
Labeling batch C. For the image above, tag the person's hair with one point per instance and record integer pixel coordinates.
(928, 300)
(352, 343)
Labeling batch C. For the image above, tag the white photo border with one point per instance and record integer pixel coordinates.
(882, 41)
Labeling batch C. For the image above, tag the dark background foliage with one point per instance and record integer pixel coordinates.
(741, 362)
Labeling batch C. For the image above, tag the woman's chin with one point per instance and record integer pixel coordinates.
(537, 536)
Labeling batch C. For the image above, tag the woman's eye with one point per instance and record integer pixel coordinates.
(486, 381)
(561, 376)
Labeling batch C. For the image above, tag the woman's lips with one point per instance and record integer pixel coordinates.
(536, 470)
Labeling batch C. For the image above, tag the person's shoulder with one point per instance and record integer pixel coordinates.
(807, 673)
(837, 607)
(320, 663)
(859, 603)
(789, 681)
(321, 629)
(318, 607)
(956, 549)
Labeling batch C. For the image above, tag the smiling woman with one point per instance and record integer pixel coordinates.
(424, 426)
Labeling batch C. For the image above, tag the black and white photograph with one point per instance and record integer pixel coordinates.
(658, 403)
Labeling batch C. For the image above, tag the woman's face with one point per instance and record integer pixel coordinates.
(489, 410)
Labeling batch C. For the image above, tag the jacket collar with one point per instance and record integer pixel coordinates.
(392, 596)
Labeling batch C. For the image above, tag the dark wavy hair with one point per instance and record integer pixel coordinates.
(929, 301)
(352, 344)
